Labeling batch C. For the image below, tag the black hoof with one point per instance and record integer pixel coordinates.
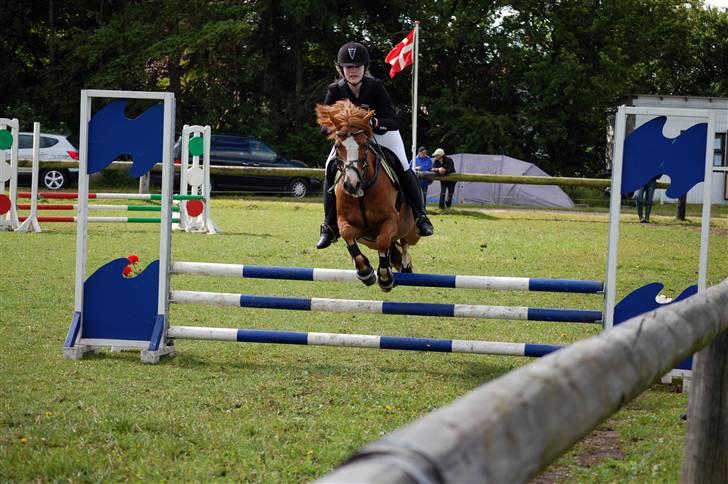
(385, 278)
(386, 285)
(406, 270)
(368, 276)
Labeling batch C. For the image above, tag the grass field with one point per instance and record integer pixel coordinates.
(261, 413)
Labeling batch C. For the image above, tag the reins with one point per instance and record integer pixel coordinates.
(364, 163)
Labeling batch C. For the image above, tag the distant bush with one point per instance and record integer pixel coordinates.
(589, 196)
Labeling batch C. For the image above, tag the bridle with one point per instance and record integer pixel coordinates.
(360, 166)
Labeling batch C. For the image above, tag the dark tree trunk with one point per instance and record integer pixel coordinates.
(681, 207)
(51, 35)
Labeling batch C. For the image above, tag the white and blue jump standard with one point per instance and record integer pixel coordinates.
(641, 155)
(103, 316)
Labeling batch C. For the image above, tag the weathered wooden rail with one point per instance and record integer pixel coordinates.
(319, 173)
(513, 427)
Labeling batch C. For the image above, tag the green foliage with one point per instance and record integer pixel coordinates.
(527, 78)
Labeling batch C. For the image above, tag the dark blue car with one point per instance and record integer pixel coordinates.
(229, 150)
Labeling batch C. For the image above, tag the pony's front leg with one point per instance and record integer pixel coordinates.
(385, 277)
(364, 270)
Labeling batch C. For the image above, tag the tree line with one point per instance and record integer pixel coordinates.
(533, 79)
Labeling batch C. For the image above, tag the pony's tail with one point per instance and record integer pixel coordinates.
(395, 256)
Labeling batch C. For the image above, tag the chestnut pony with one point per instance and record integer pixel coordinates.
(369, 207)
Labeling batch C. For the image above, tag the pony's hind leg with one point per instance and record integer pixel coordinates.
(406, 257)
(364, 270)
(395, 256)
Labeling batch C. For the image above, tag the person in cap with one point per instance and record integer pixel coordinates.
(369, 93)
(423, 163)
(444, 165)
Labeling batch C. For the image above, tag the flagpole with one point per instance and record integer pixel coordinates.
(414, 90)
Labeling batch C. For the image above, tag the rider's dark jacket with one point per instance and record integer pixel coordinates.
(372, 95)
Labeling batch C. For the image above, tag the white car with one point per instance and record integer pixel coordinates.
(53, 147)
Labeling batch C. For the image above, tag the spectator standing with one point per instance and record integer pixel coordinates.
(423, 163)
(444, 165)
(643, 200)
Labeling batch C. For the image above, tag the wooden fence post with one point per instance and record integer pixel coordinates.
(705, 458)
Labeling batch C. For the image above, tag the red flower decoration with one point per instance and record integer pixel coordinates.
(133, 259)
(128, 271)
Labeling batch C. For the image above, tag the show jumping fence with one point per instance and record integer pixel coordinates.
(154, 338)
(194, 178)
(378, 307)
(513, 427)
(98, 196)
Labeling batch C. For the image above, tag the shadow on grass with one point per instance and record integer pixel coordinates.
(247, 234)
(472, 372)
(463, 213)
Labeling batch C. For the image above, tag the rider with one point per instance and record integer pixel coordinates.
(369, 93)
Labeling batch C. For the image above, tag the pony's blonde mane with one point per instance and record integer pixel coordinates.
(344, 114)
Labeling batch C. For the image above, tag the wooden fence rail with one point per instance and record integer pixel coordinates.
(319, 173)
(511, 428)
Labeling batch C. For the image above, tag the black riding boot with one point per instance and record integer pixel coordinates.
(330, 227)
(412, 191)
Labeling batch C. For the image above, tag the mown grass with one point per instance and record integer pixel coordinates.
(261, 413)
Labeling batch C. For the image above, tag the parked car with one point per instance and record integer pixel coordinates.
(228, 150)
(53, 147)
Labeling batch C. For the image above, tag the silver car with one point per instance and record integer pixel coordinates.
(53, 147)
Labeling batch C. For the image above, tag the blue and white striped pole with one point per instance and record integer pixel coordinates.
(361, 341)
(402, 279)
(387, 307)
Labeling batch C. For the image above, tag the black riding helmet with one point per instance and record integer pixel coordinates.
(352, 54)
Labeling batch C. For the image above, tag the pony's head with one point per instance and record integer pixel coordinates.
(348, 125)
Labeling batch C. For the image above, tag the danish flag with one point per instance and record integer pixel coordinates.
(401, 56)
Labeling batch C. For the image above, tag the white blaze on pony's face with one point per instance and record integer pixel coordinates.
(353, 184)
(350, 128)
(351, 147)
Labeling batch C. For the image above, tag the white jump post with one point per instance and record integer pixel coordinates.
(77, 343)
(196, 178)
(31, 224)
(9, 173)
(610, 289)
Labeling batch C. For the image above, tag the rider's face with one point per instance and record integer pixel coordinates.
(353, 74)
